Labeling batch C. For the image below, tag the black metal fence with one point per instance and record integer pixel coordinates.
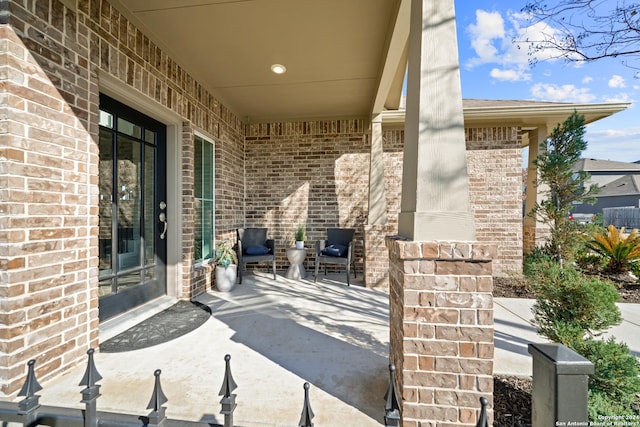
(29, 413)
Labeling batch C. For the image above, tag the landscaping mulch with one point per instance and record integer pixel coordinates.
(512, 395)
(511, 401)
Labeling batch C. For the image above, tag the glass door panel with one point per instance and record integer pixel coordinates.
(129, 204)
(132, 208)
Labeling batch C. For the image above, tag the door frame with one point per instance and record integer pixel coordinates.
(123, 93)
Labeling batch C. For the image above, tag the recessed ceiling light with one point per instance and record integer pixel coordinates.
(278, 68)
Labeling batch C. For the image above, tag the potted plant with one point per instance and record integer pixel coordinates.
(300, 236)
(226, 266)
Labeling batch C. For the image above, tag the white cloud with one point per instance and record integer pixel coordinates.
(561, 93)
(493, 43)
(587, 79)
(511, 75)
(620, 97)
(488, 28)
(613, 144)
(617, 81)
(525, 36)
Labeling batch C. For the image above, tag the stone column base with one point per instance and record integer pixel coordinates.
(441, 329)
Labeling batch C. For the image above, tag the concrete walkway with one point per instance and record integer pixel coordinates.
(514, 330)
(279, 335)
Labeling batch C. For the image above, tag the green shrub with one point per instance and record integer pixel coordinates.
(571, 306)
(601, 405)
(535, 260)
(616, 369)
(615, 386)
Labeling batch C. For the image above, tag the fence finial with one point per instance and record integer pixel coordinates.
(228, 384)
(228, 401)
(31, 385)
(483, 420)
(307, 413)
(157, 415)
(158, 398)
(91, 374)
(391, 405)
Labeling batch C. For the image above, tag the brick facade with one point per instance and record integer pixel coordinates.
(48, 249)
(313, 173)
(494, 165)
(276, 175)
(50, 63)
(317, 173)
(441, 329)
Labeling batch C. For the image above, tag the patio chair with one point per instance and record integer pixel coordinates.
(253, 246)
(336, 249)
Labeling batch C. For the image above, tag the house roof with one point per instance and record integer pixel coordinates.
(526, 114)
(628, 185)
(534, 113)
(596, 165)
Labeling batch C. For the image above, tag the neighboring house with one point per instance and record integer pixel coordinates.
(605, 171)
(134, 138)
(618, 182)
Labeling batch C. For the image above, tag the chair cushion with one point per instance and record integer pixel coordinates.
(335, 249)
(257, 250)
(254, 236)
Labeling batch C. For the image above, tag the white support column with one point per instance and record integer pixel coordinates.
(377, 197)
(435, 185)
(534, 232)
(532, 195)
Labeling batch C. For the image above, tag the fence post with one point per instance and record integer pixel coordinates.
(307, 413)
(156, 416)
(560, 386)
(91, 392)
(228, 400)
(29, 405)
(392, 405)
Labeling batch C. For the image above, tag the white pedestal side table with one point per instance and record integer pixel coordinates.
(296, 258)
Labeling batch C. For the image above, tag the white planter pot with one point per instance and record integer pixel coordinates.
(299, 244)
(226, 277)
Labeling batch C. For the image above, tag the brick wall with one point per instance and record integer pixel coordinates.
(294, 175)
(313, 173)
(494, 165)
(49, 67)
(48, 175)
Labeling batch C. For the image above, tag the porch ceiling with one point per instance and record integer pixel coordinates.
(344, 58)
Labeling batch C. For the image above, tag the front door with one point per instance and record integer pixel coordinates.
(132, 201)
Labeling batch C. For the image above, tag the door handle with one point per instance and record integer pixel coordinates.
(163, 218)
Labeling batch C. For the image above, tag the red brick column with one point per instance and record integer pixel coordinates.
(441, 329)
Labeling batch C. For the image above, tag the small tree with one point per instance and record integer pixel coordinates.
(562, 185)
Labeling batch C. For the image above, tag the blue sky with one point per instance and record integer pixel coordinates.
(492, 67)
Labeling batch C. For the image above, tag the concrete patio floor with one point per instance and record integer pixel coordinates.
(281, 334)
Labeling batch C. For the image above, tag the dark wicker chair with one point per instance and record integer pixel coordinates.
(336, 249)
(253, 246)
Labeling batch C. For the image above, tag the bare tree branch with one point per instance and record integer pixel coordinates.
(585, 30)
